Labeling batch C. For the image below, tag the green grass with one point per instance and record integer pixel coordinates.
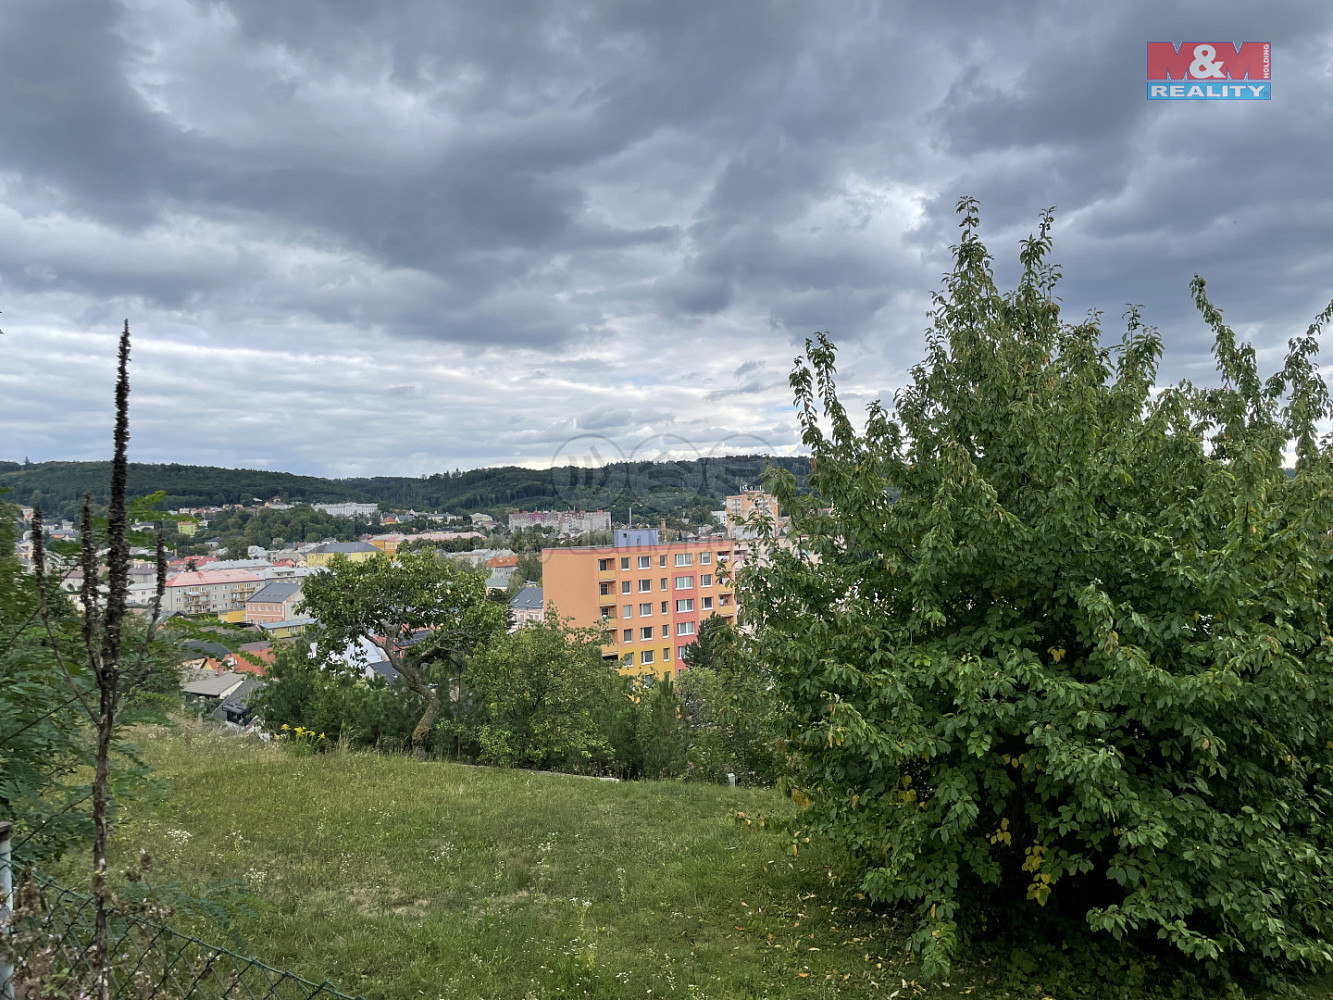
(404, 880)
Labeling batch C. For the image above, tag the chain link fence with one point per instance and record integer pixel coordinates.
(46, 949)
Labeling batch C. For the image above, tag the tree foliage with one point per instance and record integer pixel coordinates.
(1055, 645)
(427, 614)
(43, 740)
(544, 691)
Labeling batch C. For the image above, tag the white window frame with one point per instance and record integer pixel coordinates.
(684, 628)
(688, 583)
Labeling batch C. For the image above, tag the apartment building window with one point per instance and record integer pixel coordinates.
(724, 600)
(705, 579)
(664, 583)
(666, 631)
(608, 611)
(646, 633)
(629, 610)
(685, 605)
(628, 635)
(705, 558)
(661, 561)
(624, 586)
(645, 562)
(603, 565)
(645, 586)
(628, 659)
(666, 654)
(684, 582)
(680, 652)
(624, 562)
(665, 606)
(645, 610)
(646, 656)
(707, 604)
(684, 628)
(605, 588)
(684, 559)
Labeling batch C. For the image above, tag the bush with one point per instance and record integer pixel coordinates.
(1054, 648)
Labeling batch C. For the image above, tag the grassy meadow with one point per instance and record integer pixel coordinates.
(398, 879)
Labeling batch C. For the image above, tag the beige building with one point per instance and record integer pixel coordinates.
(275, 602)
(210, 591)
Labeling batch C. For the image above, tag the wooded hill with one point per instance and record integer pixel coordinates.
(652, 488)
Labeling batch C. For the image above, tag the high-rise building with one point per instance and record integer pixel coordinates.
(562, 522)
(746, 508)
(648, 596)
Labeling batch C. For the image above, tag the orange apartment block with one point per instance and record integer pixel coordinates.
(648, 596)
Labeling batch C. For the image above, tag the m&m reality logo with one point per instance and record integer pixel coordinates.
(1209, 71)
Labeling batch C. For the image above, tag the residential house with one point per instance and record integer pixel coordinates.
(648, 596)
(562, 522)
(221, 592)
(322, 554)
(525, 606)
(276, 601)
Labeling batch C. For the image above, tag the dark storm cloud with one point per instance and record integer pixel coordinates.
(527, 217)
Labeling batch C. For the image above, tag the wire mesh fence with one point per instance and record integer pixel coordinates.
(49, 947)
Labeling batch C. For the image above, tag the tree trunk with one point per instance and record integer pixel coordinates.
(410, 670)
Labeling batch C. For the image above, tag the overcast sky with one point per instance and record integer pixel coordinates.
(361, 237)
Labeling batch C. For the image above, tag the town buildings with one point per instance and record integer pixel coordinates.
(649, 596)
(222, 592)
(567, 523)
(275, 602)
(525, 607)
(322, 554)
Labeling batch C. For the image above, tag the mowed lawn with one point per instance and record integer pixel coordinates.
(398, 879)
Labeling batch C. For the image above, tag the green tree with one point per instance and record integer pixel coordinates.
(43, 739)
(428, 615)
(529, 568)
(543, 689)
(1055, 644)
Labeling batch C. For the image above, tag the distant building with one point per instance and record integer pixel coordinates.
(648, 596)
(348, 509)
(274, 602)
(746, 509)
(210, 591)
(483, 520)
(526, 606)
(322, 554)
(562, 522)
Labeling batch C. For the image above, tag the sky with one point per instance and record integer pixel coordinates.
(364, 238)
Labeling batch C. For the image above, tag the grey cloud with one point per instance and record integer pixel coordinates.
(522, 208)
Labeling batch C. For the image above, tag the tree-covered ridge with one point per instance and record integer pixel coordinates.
(652, 488)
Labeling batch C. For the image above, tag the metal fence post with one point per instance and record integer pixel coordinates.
(6, 908)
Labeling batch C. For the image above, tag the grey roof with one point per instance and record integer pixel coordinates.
(286, 623)
(238, 702)
(206, 648)
(384, 669)
(211, 683)
(275, 593)
(527, 599)
(346, 548)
